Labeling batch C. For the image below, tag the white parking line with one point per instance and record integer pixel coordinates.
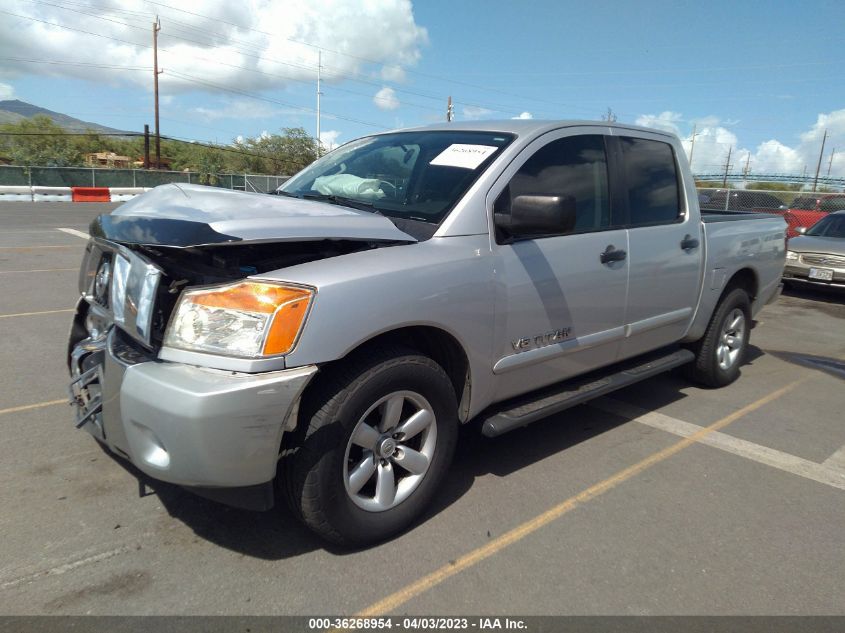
(75, 233)
(20, 314)
(66, 567)
(829, 473)
(837, 460)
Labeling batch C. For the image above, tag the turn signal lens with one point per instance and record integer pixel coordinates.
(248, 318)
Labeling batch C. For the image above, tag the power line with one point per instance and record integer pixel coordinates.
(56, 62)
(352, 77)
(197, 80)
(247, 54)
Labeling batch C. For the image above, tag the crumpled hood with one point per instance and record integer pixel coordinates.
(194, 215)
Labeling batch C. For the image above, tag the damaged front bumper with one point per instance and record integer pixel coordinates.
(209, 430)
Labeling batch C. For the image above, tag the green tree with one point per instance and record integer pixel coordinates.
(279, 154)
(774, 186)
(209, 164)
(38, 141)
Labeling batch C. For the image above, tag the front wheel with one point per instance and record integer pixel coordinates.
(377, 436)
(719, 354)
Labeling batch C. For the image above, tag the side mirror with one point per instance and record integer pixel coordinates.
(533, 216)
(801, 230)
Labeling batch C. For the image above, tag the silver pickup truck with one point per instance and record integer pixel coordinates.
(326, 343)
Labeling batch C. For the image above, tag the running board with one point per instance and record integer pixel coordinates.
(524, 410)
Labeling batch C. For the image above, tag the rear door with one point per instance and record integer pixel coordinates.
(559, 310)
(665, 244)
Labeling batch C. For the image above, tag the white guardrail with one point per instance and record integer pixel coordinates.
(64, 194)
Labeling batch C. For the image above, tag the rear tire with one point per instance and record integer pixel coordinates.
(719, 354)
(376, 436)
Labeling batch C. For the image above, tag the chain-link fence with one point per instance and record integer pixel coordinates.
(95, 177)
(798, 208)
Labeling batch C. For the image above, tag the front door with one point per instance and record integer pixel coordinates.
(561, 300)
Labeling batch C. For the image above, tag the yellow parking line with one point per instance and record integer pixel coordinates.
(395, 600)
(36, 270)
(20, 314)
(38, 405)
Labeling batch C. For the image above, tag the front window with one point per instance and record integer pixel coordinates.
(407, 175)
(831, 226)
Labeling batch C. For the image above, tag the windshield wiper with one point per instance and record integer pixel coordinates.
(352, 203)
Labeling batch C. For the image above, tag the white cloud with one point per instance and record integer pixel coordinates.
(6, 91)
(396, 74)
(386, 99)
(524, 116)
(254, 34)
(713, 139)
(666, 121)
(473, 113)
(328, 138)
(238, 109)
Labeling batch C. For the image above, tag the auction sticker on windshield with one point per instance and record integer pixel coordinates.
(461, 155)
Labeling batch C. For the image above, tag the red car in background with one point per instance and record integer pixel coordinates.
(807, 209)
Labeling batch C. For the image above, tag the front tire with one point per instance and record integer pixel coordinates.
(719, 354)
(376, 436)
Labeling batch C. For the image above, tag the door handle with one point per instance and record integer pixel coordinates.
(612, 254)
(689, 242)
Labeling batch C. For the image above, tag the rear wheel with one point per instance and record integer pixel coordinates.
(377, 436)
(719, 354)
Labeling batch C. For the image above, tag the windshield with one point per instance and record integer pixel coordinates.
(831, 226)
(409, 175)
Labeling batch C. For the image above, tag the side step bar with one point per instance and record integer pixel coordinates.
(535, 406)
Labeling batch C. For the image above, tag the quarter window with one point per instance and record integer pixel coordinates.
(652, 181)
(575, 166)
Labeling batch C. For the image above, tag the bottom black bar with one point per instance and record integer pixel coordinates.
(526, 624)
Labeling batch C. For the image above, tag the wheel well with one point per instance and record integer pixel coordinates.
(745, 279)
(438, 345)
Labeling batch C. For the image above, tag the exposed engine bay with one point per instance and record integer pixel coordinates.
(211, 264)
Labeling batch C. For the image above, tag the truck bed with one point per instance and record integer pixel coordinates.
(730, 215)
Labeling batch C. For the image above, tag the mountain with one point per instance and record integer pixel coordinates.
(15, 110)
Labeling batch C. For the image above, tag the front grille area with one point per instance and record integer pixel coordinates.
(820, 259)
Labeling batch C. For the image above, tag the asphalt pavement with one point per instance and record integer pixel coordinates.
(662, 499)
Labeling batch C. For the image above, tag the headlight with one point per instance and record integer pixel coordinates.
(248, 319)
(791, 255)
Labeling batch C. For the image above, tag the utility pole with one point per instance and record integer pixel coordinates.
(156, 73)
(727, 167)
(450, 111)
(146, 146)
(747, 162)
(819, 164)
(692, 146)
(319, 94)
(830, 163)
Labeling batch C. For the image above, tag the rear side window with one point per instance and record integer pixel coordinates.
(652, 180)
(573, 166)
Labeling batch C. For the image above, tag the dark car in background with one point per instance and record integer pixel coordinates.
(740, 200)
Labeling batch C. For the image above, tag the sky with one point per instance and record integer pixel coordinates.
(761, 79)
